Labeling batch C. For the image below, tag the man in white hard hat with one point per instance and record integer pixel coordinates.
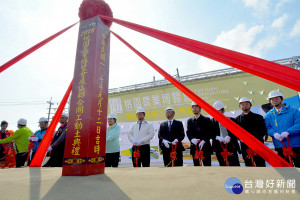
(222, 136)
(57, 147)
(170, 133)
(38, 135)
(21, 140)
(113, 132)
(198, 129)
(283, 122)
(255, 125)
(140, 134)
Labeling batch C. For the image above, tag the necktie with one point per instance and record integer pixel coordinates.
(170, 124)
(140, 125)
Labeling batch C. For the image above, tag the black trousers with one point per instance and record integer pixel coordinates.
(144, 160)
(232, 160)
(206, 161)
(30, 159)
(56, 157)
(167, 158)
(259, 161)
(296, 160)
(21, 159)
(112, 159)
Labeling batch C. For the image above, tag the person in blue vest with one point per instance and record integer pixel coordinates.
(38, 135)
(283, 122)
(113, 132)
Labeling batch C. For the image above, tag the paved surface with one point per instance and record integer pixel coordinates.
(142, 183)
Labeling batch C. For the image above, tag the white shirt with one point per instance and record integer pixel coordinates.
(146, 133)
(279, 110)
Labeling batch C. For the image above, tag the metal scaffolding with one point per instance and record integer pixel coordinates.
(293, 62)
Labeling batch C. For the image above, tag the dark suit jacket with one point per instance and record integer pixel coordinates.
(199, 129)
(232, 145)
(176, 132)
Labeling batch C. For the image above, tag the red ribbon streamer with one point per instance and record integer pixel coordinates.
(225, 153)
(173, 154)
(288, 151)
(32, 49)
(30, 146)
(277, 73)
(266, 153)
(199, 155)
(251, 154)
(41, 151)
(136, 155)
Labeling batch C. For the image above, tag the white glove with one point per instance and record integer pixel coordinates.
(284, 134)
(49, 149)
(195, 141)
(33, 139)
(278, 136)
(201, 144)
(221, 139)
(138, 142)
(175, 142)
(227, 139)
(134, 142)
(166, 143)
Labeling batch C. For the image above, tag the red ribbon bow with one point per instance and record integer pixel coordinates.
(173, 154)
(225, 153)
(250, 154)
(199, 155)
(288, 151)
(136, 155)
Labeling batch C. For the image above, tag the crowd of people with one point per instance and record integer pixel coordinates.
(205, 134)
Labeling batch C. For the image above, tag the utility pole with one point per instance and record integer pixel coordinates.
(178, 74)
(50, 104)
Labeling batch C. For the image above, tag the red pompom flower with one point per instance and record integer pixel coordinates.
(92, 8)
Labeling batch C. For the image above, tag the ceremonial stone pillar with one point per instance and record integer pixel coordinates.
(86, 135)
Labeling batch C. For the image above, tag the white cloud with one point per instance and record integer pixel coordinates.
(242, 40)
(259, 6)
(279, 22)
(280, 4)
(296, 29)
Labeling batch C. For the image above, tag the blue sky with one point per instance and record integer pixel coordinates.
(262, 28)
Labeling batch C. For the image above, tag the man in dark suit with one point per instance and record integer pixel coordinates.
(255, 125)
(170, 133)
(222, 136)
(198, 129)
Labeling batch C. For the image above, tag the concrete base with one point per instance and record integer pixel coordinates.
(143, 183)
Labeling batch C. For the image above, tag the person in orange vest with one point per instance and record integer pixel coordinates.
(7, 151)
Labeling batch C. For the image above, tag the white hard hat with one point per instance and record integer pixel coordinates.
(65, 115)
(169, 108)
(22, 122)
(244, 99)
(194, 104)
(43, 119)
(275, 93)
(140, 110)
(112, 115)
(218, 105)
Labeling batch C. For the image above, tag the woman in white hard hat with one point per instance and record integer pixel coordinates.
(113, 132)
(38, 135)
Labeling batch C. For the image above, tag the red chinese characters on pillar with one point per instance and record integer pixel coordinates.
(86, 136)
